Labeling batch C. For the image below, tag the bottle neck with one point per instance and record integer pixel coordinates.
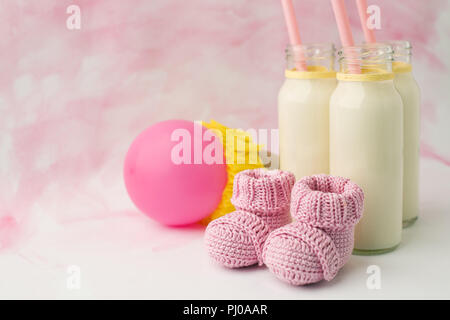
(366, 59)
(316, 57)
(366, 62)
(402, 51)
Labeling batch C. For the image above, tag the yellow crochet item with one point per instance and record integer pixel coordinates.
(241, 153)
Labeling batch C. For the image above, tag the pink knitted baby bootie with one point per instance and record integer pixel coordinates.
(320, 240)
(261, 198)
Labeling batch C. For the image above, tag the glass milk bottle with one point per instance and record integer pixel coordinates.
(409, 91)
(303, 110)
(366, 143)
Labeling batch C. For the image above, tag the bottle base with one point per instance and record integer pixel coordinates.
(361, 252)
(409, 222)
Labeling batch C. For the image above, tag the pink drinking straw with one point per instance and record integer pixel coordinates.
(369, 35)
(294, 34)
(345, 33)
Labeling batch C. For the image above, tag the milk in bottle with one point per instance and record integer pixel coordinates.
(303, 110)
(366, 142)
(409, 91)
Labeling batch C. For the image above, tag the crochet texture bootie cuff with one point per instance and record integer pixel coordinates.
(327, 202)
(263, 191)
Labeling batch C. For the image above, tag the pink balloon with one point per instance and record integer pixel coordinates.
(173, 194)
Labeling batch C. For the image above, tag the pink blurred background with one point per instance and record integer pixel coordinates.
(73, 100)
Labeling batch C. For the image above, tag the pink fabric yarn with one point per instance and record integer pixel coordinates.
(262, 200)
(326, 201)
(264, 193)
(320, 240)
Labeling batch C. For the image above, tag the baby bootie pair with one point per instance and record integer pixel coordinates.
(313, 247)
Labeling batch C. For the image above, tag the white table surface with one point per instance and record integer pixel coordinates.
(131, 256)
